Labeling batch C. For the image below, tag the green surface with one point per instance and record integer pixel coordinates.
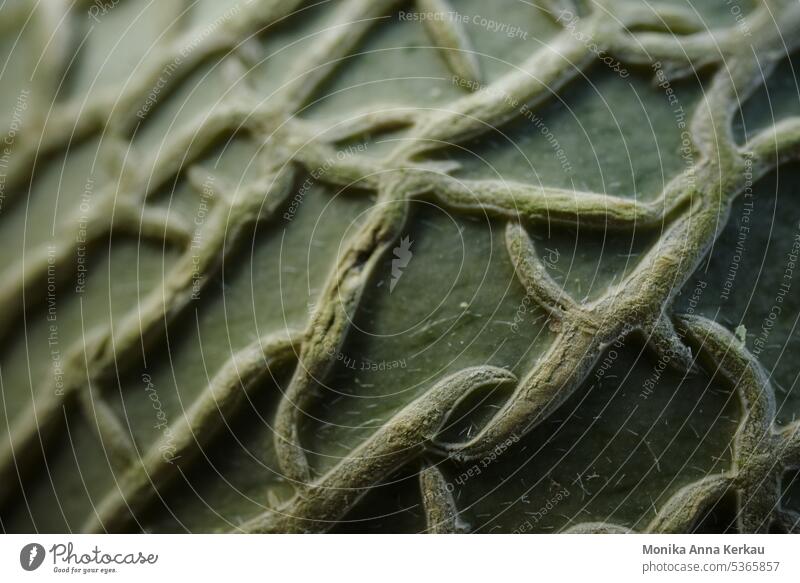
(613, 452)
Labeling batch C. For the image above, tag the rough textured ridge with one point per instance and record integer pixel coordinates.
(692, 210)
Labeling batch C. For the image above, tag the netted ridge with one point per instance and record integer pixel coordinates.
(691, 212)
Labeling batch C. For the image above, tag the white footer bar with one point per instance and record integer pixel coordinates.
(401, 558)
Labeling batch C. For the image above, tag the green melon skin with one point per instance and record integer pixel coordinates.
(383, 266)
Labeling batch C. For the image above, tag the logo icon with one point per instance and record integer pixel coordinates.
(402, 255)
(31, 556)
